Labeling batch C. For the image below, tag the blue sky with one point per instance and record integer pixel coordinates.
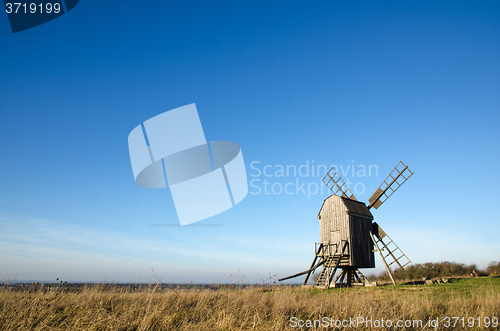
(338, 83)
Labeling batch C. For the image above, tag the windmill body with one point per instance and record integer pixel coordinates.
(348, 236)
(345, 220)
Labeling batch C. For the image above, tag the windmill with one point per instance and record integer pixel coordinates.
(349, 237)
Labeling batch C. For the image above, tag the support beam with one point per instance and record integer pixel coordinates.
(312, 264)
(382, 256)
(303, 272)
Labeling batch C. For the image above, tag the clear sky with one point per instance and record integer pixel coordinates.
(346, 83)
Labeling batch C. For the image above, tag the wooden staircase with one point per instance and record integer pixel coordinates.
(331, 265)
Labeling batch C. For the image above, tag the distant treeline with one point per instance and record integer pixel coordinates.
(439, 270)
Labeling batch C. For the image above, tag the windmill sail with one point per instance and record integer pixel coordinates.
(396, 178)
(335, 183)
(391, 252)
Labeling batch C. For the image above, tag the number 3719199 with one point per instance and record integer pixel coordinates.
(24, 8)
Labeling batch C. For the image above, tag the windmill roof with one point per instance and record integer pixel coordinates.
(353, 206)
(356, 207)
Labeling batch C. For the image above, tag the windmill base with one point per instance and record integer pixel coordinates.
(348, 277)
(331, 262)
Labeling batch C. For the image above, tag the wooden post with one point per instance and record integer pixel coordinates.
(312, 264)
(382, 256)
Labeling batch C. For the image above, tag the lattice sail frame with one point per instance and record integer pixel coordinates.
(335, 183)
(392, 253)
(396, 178)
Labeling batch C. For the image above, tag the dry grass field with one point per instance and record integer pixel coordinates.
(113, 307)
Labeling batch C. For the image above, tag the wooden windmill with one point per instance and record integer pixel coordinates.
(348, 235)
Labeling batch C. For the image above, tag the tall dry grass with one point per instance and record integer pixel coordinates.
(99, 307)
